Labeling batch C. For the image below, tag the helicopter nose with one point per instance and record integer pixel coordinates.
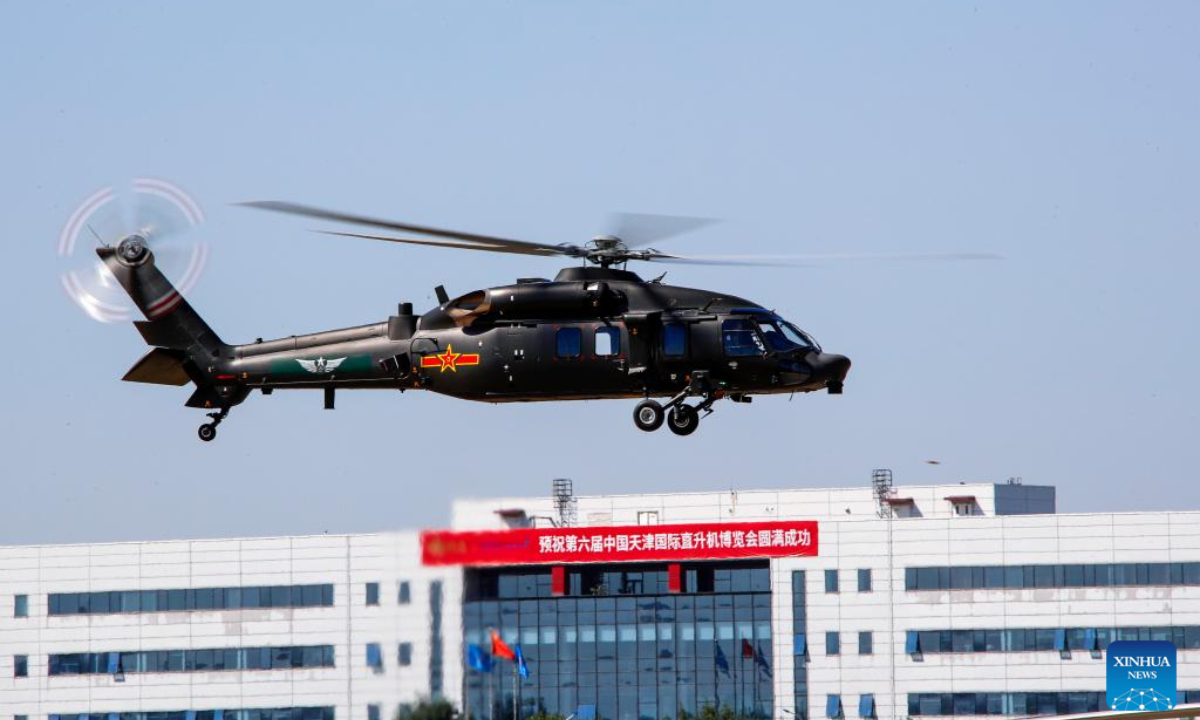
(832, 369)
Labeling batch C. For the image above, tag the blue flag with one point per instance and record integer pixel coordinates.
(722, 663)
(761, 661)
(521, 666)
(477, 659)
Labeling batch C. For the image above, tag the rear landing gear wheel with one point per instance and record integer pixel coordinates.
(683, 419)
(648, 415)
(208, 431)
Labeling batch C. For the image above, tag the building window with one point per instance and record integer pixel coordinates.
(373, 711)
(569, 343)
(608, 341)
(674, 340)
(833, 706)
(223, 598)
(284, 713)
(404, 656)
(831, 581)
(372, 593)
(866, 706)
(833, 643)
(21, 666)
(202, 660)
(964, 508)
(864, 580)
(1013, 703)
(647, 517)
(436, 678)
(21, 606)
(1051, 576)
(865, 644)
(405, 592)
(374, 657)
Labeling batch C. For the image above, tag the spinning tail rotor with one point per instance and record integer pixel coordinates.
(149, 214)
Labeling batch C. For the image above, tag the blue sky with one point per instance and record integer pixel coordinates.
(1061, 136)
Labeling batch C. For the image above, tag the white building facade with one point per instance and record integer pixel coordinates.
(292, 628)
(927, 601)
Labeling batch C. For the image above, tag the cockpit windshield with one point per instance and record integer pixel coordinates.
(783, 336)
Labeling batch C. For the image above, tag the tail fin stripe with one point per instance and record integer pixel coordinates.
(163, 304)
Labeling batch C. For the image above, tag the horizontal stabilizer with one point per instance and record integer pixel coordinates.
(164, 333)
(159, 367)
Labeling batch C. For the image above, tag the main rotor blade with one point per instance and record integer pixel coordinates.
(322, 214)
(640, 229)
(442, 244)
(811, 259)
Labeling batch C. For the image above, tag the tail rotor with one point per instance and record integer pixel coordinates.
(147, 215)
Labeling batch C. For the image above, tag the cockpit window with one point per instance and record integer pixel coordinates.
(798, 336)
(739, 338)
(783, 336)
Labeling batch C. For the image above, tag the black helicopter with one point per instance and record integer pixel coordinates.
(596, 331)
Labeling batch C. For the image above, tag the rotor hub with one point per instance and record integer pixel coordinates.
(607, 242)
(132, 250)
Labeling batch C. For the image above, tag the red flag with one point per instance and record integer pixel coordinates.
(501, 649)
(747, 649)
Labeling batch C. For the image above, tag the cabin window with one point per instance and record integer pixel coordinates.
(740, 339)
(570, 342)
(608, 341)
(674, 339)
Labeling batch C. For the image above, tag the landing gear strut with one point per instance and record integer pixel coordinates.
(681, 418)
(208, 431)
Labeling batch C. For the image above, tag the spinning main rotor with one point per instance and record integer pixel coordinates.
(633, 233)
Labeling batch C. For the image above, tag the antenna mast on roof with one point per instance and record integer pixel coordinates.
(881, 484)
(564, 502)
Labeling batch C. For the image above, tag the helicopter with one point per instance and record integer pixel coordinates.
(596, 331)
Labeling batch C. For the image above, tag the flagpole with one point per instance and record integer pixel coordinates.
(716, 679)
(737, 709)
(756, 669)
(515, 691)
(491, 701)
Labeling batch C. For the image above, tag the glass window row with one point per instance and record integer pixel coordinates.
(674, 699)
(602, 581)
(290, 713)
(1015, 703)
(665, 632)
(227, 598)
(569, 611)
(1033, 639)
(155, 661)
(1051, 576)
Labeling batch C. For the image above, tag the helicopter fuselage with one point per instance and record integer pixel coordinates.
(592, 333)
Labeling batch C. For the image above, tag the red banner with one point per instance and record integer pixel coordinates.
(705, 541)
